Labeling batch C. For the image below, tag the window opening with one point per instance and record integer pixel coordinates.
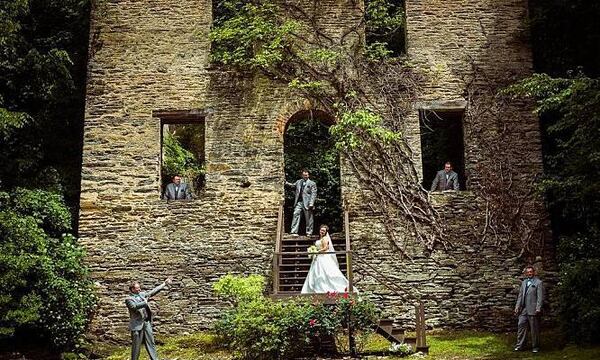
(385, 25)
(308, 145)
(442, 141)
(182, 156)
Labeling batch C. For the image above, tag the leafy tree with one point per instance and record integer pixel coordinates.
(42, 71)
(44, 288)
(566, 38)
(385, 26)
(570, 112)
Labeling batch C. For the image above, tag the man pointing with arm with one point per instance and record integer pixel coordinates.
(140, 319)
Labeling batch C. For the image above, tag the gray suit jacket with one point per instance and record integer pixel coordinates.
(183, 193)
(309, 195)
(440, 183)
(138, 305)
(531, 298)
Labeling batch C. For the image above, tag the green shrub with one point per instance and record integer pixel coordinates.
(261, 328)
(570, 114)
(579, 264)
(43, 285)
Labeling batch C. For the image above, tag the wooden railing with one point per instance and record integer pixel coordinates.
(348, 249)
(277, 255)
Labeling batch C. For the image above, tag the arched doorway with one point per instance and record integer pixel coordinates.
(308, 144)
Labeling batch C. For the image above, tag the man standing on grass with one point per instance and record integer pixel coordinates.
(140, 319)
(529, 308)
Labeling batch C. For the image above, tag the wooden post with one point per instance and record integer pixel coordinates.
(348, 250)
(420, 327)
(351, 340)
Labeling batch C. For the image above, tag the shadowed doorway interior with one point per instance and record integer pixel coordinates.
(307, 144)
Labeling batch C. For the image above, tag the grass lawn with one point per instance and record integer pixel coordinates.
(460, 345)
(455, 345)
(198, 346)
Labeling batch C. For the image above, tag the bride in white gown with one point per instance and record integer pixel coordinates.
(324, 274)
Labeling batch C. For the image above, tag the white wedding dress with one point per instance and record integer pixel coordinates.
(324, 274)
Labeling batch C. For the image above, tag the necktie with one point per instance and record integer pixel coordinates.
(176, 191)
(302, 188)
(143, 310)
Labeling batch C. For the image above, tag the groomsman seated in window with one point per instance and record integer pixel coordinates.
(177, 190)
(445, 179)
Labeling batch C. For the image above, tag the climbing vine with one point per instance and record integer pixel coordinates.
(368, 90)
(511, 220)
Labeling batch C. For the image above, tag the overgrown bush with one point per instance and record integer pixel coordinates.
(261, 328)
(44, 288)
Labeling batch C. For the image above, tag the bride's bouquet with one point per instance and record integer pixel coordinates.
(312, 251)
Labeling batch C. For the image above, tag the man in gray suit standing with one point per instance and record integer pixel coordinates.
(304, 201)
(445, 179)
(177, 190)
(140, 319)
(529, 308)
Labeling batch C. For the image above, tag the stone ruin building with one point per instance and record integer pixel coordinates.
(149, 66)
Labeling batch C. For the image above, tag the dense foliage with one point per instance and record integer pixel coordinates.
(42, 72)
(44, 288)
(565, 36)
(570, 113)
(261, 328)
(44, 291)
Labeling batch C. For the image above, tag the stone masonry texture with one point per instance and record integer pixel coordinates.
(151, 57)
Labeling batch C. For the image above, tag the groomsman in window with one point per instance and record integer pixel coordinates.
(304, 202)
(177, 190)
(445, 179)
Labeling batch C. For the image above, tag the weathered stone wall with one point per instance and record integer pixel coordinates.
(468, 50)
(152, 56)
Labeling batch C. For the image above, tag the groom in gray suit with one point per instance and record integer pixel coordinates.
(304, 201)
(528, 308)
(140, 319)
